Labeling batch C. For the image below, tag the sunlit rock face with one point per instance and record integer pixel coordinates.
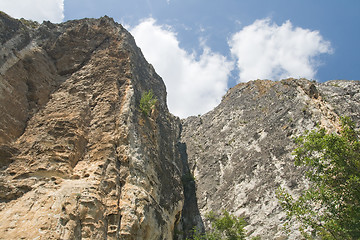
(78, 159)
(240, 152)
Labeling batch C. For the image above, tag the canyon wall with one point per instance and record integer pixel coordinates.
(80, 160)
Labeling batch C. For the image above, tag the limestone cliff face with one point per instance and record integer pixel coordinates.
(240, 152)
(78, 160)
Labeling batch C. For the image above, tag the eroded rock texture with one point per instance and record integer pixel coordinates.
(240, 152)
(78, 159)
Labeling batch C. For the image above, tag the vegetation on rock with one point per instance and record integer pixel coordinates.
(147, 102)
(330, 208)
(223, 227)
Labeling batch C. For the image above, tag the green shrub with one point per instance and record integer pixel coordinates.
(330, 208)
(147, 102)
(223, 227)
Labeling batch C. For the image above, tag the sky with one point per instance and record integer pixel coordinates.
(201, 48)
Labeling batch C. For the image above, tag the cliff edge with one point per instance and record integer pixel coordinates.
(78, 159)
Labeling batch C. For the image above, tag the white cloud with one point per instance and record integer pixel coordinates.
(265, 50)
(195, 84)
(37, 10)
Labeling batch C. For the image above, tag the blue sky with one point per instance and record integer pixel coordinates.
(203, 47)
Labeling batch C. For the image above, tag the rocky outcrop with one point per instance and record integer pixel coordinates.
(240, 152)
(78, 159)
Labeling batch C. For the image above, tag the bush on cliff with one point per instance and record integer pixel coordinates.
(147, 102)
(222, 227)
(330, 208)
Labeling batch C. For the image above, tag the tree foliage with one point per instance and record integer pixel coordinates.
(147, 102)
(330, 208)
(223, 227)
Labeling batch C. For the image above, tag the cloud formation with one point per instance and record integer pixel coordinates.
(36, 10)
(265, 50)
(195, 84)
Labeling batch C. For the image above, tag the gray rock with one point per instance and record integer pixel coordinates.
(240, 152)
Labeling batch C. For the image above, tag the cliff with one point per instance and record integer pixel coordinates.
(240, 152)
(80, 160)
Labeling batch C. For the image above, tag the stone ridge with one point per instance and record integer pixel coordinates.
(78, 160)
(240, 152)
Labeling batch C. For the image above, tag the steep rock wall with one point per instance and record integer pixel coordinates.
(240, 152)
(78, 160)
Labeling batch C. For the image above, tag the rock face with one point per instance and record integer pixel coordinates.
(78, 159)
(240, 152)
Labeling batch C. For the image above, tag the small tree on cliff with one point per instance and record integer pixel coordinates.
(330, 208)
(147, 102)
